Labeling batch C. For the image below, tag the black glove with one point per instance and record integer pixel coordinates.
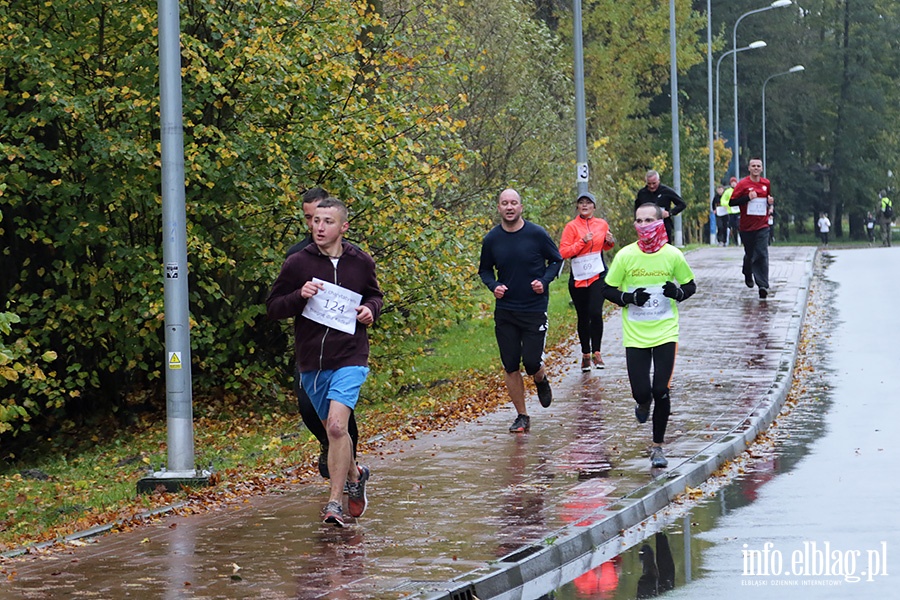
(670, 290)
(638, 297)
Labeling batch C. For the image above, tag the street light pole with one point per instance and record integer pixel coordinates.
(737, 139)
(581, 161)
(794, 69)
(751, 46)
(179, 403)
(676, 141)
(709, 112)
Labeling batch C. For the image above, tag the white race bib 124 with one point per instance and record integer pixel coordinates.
(333, 306)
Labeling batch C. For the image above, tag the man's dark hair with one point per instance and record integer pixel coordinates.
(330, 202)
(314, 195)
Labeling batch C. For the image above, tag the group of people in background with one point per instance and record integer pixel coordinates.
(647, 278)
(328, 286)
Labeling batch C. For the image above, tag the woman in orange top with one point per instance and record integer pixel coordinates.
(583, 240)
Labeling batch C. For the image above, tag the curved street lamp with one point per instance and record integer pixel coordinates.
(737, 142)
(794, 69)
(751, 46)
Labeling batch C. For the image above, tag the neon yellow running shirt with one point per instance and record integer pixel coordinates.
(656, 322)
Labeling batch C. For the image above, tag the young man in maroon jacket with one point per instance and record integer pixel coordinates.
(753, 194)
(331, 289)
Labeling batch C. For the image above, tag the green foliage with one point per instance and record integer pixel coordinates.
(829, 129)
(276, 98)
(416, 114)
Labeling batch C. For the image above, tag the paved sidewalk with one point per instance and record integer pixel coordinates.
(478, 511)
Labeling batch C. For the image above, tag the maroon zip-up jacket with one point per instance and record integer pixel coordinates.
(317, 346)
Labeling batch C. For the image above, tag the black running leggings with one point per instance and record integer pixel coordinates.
(588, 302)
(643, 390)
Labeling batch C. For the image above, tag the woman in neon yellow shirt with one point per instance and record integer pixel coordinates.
(641, 279)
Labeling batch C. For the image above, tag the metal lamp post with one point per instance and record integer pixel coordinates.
(751, 46)
(794, 69)
(582, 172)
(709, 112)
(676, 141)
(179, 411)
(737, 142)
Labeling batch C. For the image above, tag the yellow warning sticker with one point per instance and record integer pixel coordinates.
(174, 360)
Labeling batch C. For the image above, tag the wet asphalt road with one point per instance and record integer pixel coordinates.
(826, 525)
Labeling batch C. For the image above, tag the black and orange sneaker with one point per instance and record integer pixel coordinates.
(521, 424)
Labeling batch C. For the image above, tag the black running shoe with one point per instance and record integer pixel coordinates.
(323, 463)
(545, 394)
(642, 412)
(521, 424)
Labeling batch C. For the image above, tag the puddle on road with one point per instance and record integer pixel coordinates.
(674, 556)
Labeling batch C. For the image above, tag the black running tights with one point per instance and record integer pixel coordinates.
(644, 389)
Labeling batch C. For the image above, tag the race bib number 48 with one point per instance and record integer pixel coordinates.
(333, 306)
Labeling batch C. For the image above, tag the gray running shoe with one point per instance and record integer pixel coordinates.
(333, 514)
(356, 493)
(657, 458)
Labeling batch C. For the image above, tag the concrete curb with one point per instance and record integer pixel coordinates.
(573, 550)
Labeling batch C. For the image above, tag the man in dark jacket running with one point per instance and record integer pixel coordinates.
(664, 197)
(331, 289)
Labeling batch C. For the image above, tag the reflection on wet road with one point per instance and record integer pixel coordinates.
(814, 517)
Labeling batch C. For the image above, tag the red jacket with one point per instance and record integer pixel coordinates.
(572, 243)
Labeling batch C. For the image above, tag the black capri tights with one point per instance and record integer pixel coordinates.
(643, 389)
(588, 302)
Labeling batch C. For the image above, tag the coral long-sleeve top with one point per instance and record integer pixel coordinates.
(572, 243)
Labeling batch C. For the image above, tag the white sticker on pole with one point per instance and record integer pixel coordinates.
(333, 306)
(174, 360)
(581, 172)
